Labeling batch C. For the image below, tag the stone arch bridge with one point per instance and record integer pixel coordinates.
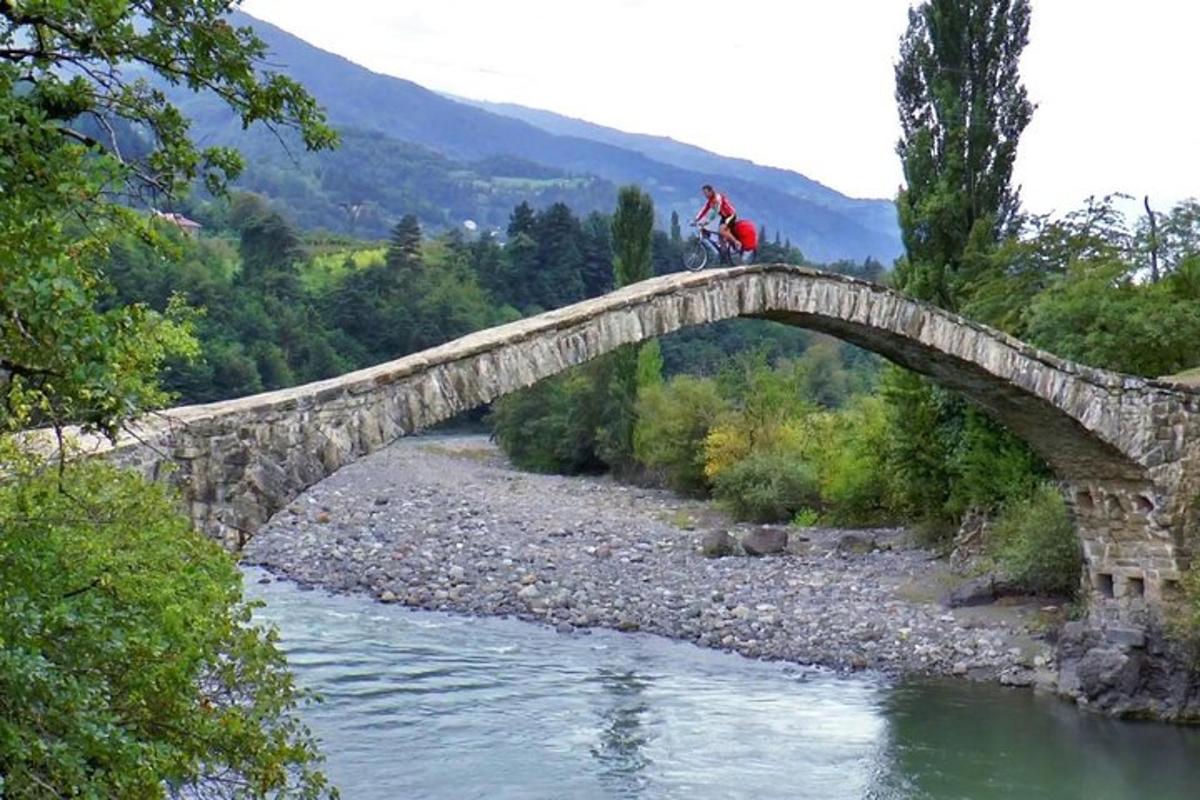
(1127, 449)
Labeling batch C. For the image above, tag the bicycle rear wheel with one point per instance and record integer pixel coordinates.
(695, 255)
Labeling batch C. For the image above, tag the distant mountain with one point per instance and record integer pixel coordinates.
(385, 117)
(877, 214)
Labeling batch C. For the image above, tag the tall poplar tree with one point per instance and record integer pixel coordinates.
(617, 374)
(962, 110)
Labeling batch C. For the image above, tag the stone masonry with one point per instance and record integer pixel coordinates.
(1127, 449)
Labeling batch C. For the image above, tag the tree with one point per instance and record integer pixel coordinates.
(128, 667)
(522, 220)
(522, 256)
(491, 268)
(270, 249)
(632, 227)
(597, 254)
(582, 420)
(558, 278)
(617, 373)
(404, 249)
(63, 63)
(676, 232)
(962, 111)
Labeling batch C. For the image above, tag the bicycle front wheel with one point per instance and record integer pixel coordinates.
(695, 255)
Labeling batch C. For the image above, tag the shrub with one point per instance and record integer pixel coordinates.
(767, 487)
(851, 463)
(673, 421)
(989, 465)
(1034, 540)
(550, 427)
(725, 446)
(806, 518)
(128, 665)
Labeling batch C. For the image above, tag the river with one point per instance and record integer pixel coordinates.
(428, 705)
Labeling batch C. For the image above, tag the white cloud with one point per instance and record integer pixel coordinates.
(796, 83)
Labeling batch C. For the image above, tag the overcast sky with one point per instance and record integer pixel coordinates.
(804, 84)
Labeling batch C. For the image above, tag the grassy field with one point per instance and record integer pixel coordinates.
(326, 268)
(1191, 377)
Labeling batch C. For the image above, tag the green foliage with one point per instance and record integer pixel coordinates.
(649, 365)
(806, 518)
(673, 420)
(550, 427)
(694, 430)
(323, 271)
(404, 249)
(923, 424)
(1035, 542)
(850, 457)
(403, 305)
(616, 376)
(611, 404)
(989, 465)
(632, 227)
(962, 111)
(1099, 315)
(128, 665)
(767, 487)
(65, 360)
(586, 420)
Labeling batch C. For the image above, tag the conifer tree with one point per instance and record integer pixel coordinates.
(404, 248)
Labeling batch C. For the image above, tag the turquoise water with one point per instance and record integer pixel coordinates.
(424, 705)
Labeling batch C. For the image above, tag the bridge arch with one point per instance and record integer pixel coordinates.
(1122, 444)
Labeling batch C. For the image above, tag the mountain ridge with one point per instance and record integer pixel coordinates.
(678, 153)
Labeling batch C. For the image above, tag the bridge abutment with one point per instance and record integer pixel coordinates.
(1134, 547)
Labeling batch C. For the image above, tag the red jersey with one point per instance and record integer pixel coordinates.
(746, 234)
(721, 203)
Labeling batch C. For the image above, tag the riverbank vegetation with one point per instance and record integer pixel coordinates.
(128, 664)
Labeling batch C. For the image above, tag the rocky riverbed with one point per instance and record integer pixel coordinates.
(445, 523)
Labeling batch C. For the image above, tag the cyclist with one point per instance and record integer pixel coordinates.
(718, 205)
(747, 238)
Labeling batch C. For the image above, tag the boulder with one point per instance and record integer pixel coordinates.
(765, 541)
(716, 544)
(974, 592)
(855, 544)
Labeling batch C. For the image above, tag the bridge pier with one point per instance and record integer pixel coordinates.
(1135, 548)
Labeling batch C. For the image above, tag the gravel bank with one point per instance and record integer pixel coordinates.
(441, 522)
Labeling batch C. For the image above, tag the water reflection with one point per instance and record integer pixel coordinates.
(621, 751)
(950, 739)
(423, 705)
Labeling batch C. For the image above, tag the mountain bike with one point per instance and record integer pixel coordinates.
(710, 246)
